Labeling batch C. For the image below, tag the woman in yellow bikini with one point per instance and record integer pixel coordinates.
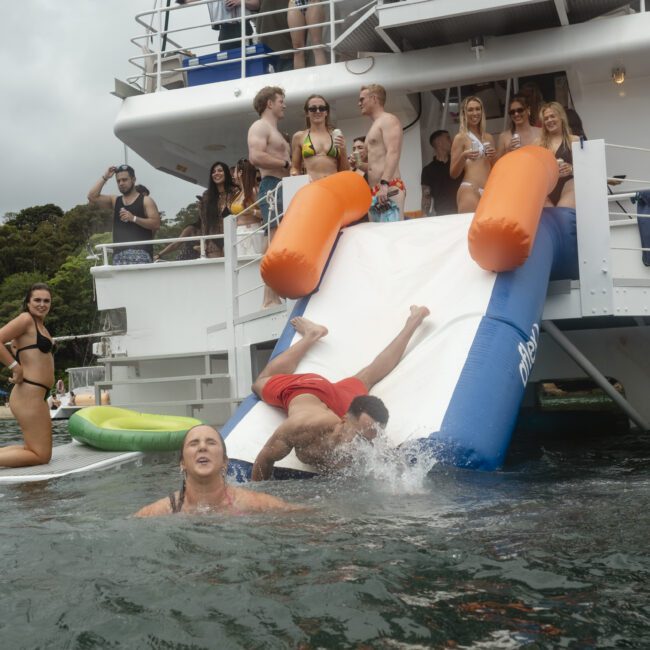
(318, 150)
(32, 366)
(249, 220)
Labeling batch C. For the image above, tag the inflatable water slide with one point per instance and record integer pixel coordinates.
(457, 391)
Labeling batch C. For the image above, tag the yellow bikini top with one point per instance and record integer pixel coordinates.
(308, 149)
(237, 204)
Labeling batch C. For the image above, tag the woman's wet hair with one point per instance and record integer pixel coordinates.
(37, 286)
(370, 405)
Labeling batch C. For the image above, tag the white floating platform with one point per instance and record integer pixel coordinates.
(72, 458)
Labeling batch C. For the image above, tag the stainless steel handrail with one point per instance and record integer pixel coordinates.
(159, 34)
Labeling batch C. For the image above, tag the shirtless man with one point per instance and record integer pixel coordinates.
(472, 154)
(384, 146)
(270, 152)
(321, 416)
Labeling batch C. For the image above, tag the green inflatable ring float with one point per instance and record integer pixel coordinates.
(116, 429)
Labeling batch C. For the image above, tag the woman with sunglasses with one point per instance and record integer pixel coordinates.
(472, 154)
(521, 131)
(556, 136)
(32, 365)
(214, 206)
(318, 150)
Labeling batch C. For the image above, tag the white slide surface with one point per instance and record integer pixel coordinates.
(376, 273)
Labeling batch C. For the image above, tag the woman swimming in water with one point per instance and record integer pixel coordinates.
(32, 366)
(204, 465)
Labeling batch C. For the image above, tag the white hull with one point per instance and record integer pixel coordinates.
(195, 335)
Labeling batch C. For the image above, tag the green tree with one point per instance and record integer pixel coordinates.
(32, 218)
(12, 292)
(173, 227)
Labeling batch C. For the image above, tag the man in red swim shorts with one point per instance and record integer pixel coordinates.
(322, 416)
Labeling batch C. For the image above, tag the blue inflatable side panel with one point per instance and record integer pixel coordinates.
(479, 421)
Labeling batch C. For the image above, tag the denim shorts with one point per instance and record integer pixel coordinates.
(268, 184)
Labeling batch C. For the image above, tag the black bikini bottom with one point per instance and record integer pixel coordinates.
(35, 383)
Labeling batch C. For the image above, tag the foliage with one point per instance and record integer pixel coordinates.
(172, 227)
(32, 218)
(44, 244)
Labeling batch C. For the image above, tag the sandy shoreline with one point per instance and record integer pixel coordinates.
(5, 413)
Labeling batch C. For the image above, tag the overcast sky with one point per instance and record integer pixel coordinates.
(59, 59)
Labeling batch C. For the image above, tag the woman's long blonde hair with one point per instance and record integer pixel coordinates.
(463, 115)
(545, 138)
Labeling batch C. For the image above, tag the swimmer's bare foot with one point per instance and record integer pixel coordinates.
(308, 328)
(418, 314)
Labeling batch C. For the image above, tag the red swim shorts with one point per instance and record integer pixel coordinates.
(279, 390)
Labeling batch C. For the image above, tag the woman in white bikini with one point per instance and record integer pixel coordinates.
(472, 154)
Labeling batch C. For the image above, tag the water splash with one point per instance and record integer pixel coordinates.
(395, 470)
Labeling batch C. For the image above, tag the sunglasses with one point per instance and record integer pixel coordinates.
(516, 111)
(318, 109)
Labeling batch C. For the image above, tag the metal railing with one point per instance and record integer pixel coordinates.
(230, 241)
(595, 227)
(617, 197)
(105, 248)
(154, 42)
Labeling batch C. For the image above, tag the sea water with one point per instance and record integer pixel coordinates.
(552, 552)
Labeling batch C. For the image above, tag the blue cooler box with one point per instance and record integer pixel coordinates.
(198, 75)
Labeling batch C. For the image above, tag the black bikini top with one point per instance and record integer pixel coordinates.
(42, 343)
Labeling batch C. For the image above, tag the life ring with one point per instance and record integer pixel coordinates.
(117, 429)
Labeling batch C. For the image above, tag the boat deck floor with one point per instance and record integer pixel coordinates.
(71, 458)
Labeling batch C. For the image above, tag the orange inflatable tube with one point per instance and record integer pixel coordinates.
(505, 223)
(297, 255)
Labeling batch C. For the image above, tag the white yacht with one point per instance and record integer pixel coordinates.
(193, 335)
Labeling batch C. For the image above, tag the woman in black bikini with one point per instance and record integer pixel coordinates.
(556, 136)
(214, 206)
(204, 490)
(32, 368)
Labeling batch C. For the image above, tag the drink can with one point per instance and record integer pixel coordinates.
(337, 133)
(357, 157)
(559, 161)
(517, 138)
